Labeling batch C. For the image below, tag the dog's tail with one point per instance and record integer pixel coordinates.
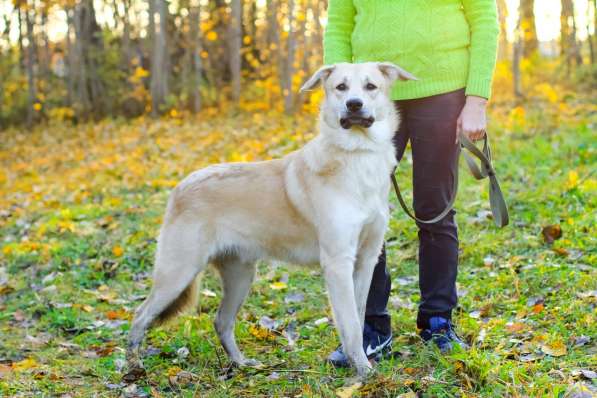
(187, 300)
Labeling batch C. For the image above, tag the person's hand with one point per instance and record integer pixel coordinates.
(472, 121)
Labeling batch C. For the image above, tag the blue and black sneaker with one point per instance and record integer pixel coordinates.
(441, 332)
(375, 344)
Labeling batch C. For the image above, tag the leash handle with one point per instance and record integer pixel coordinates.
(497, 203)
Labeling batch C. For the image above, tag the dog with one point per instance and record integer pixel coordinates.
(326, 203)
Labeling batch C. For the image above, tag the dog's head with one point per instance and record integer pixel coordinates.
(357, 95)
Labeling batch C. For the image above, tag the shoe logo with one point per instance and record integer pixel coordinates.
(370, 350)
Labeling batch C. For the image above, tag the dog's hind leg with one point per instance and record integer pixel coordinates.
(237, 276)
(180, 256)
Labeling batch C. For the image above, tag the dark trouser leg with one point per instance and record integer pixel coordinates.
(376, 313)
(430, 124)
(432, 129)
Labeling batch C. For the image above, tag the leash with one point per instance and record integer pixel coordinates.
(499, 209)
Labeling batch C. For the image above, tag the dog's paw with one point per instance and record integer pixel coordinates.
(365, 373)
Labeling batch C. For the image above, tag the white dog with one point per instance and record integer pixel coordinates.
(326, 203)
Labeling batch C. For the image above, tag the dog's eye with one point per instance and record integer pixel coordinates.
(341, 87)
(370, 86)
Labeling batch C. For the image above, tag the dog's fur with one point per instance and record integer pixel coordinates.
(326, 203)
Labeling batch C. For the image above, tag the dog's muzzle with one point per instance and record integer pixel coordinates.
(356, 119)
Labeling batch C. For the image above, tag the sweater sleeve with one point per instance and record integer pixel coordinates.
(338, 31)
(482, 18)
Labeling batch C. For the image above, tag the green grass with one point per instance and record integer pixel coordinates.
(55, 307)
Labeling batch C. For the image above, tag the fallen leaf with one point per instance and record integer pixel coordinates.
(5, 372)
(586, 373)
(294, 298)
(579, 341)
(261, 333)
(578, 390)
(556, 349)
(278, 286)
(409, 394)
(117, 251)
(347, 392)
(25, 364)
(18, 316)
(268, 323)
(551, 233)
(135, 373)
(117, 314)
(560, 251)
(182, 352)
(515, 327)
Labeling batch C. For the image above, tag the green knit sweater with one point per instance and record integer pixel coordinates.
(447, 44)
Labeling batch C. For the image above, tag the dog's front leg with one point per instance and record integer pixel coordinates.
(337, 270)
(369, 250)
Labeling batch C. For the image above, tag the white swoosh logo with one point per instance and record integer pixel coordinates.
(370, 350)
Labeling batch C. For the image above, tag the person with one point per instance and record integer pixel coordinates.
(450, 46)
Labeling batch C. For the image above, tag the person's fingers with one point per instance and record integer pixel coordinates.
(458, 128)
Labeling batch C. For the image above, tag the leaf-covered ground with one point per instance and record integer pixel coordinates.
(81, 207)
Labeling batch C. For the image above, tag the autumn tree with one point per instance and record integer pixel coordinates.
(569, 45)
(159, 59)
(530, 44)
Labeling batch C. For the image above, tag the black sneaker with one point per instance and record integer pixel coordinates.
(375, 344)
(441, 332)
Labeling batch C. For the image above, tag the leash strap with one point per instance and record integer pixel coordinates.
(497, 203)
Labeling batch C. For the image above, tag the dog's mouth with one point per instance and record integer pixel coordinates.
(355, 119)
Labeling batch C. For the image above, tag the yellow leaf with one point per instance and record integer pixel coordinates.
(173, 371)
(572, 179)
(117, 314)
(261, 333)
(556, 349)
(347, 392)
(278, 286)
(24, 364)
(37, 106)
(117, 251)
(211, 36)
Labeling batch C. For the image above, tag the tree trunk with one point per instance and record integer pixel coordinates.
(21, 34)
(159, 64)
(234, 47)
(591, 37)
(569, 47)
(318, 32)
(89, 56)
(70, 58)
(273, 44)
(195, 58)
(503, 15)
(289, 72)
(31, 98)
(530, 44)
(516, 57)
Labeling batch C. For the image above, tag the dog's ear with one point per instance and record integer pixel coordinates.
(321, 74)
(394, 72)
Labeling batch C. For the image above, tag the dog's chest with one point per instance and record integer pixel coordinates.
(365, 177)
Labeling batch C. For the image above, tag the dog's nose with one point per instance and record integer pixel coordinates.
(354, 104)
